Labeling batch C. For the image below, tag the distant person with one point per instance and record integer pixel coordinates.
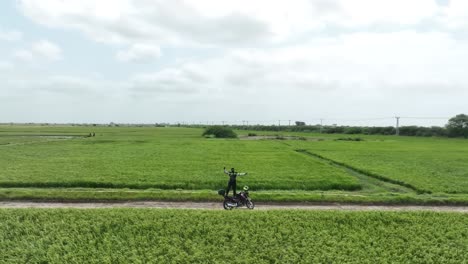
(232, 180)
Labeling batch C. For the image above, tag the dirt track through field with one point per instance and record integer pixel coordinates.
(218, 206)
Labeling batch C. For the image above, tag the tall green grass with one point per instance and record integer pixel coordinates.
(165, 158)
(193, 236)
(426, 164)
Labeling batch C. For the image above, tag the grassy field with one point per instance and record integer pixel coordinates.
(165, 158)
(145, 163)
(436, 165)
(193, 236)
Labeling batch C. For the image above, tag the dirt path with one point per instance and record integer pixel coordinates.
(218, 206)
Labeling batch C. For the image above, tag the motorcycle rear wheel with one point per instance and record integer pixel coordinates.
(226, 206)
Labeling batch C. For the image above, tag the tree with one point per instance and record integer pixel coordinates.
(219, 132)
(458, 126)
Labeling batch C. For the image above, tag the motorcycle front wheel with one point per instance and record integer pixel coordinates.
(226, 206)
(249, 204)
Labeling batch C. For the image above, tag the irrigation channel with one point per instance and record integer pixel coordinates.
(218, 206)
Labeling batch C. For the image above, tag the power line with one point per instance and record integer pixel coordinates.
(319, 120)
(425, 118)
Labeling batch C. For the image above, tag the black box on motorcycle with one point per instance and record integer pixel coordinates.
(222, 192)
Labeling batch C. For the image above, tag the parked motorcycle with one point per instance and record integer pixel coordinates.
(239, 200)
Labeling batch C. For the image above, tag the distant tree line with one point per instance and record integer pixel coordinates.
(456, 127)
(388, 130)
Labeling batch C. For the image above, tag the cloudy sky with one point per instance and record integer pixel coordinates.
(345, 61)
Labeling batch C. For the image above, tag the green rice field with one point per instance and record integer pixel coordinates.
(429, 164)
(177, 163)
(165, 158)
(197, 236)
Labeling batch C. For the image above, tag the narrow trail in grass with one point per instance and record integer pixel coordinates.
(367, 178)
(9, 144)
(218, 206)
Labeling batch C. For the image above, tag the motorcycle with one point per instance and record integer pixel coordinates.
(239, 200)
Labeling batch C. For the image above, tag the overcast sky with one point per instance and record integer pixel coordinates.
(346, 61)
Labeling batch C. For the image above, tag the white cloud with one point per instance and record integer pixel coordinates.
(80, 87)
(360, 64)
(139, 53)
(132, 21)
(23, 55)
(40, 50)
(455, 14)
(69, 85)
(11, 35)
(265, 57)
(5, 65)
(220, 23)
(400, 12)
(355, 65)
(356, 75)
(47, 49)
(184, 79)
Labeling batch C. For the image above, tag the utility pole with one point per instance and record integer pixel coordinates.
(289, 123)
(222, 122)
(397, 125)
(279, 122)
(321, 125)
